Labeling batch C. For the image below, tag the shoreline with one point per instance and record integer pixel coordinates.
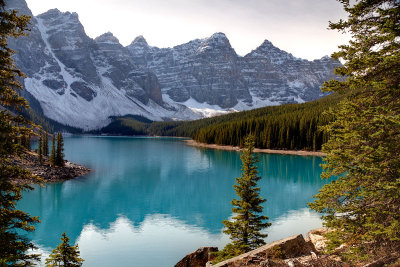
(47, 173)
(193, 143)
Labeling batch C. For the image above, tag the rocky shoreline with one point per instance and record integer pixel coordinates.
(46, 173)
(292, 251)
(257, 150)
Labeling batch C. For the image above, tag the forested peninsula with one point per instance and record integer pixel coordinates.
(286, 127)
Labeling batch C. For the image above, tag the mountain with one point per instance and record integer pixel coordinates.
(209, 71)
(83, 82)
(203, 71)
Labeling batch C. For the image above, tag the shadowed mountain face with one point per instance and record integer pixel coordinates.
(82, 82)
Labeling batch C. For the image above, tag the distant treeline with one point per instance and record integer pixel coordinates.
(292, 126)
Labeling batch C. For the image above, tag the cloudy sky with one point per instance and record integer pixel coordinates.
(296, 26)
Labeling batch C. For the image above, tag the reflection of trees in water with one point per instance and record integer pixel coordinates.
(143, 177)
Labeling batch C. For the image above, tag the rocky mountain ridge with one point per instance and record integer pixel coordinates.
(83, 82)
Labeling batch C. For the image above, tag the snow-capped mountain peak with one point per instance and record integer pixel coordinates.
(217, 41)
(107, 37)
(219, 37)
(82, 82)
(139, 40)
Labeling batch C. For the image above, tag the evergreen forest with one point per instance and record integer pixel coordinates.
(292, 126)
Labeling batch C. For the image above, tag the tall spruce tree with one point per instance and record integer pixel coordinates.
(13, 222)
(59, 158)
(52, 157)
(64, 255)
(362, 205)
(245, 227)
(40, 149)
(45, 143)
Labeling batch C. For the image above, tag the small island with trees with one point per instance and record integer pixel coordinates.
(45, 166)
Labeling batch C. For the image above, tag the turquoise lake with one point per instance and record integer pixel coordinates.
(151, 201)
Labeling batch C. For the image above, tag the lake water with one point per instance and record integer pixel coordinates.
(151, 201)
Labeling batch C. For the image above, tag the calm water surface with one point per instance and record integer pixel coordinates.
(150, 201)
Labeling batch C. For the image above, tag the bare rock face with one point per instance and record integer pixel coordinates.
(116, 63)
(69, 43)
(206, 70)
(149, 82)
(199, 258)
(83, 90)
(209, 71)
(282, 78)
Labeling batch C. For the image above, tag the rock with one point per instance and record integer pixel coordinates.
(392, 259)
(199, 258)
(316, 237)
(294, 251)
(55, 84)
(83, 90)
(123, 71)
(272, 254)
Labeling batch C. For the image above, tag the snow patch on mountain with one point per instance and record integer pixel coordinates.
(77, 112)
(192, 103)
(206, 110)
(257, 102)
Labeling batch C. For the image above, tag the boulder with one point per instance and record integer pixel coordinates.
(316, 237)
(199, 258)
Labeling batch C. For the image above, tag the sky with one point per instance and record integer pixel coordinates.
(299, 27)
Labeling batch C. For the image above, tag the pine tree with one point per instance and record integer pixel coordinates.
(25, 139)
(245, 227)
(59, 158)
(45, 143)
(52, 158)
(13, 222)
(64, 255)
(362, 205)
(42, 145)
(40, 148)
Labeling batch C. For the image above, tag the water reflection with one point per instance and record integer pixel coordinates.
(163, 196)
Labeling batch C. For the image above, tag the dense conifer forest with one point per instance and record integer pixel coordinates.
(293, 126)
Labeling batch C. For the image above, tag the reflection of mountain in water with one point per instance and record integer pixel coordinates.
(137, 177)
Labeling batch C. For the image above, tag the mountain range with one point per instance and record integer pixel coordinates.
(83, 82)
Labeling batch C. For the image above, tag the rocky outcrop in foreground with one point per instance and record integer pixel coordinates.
(198, 258)
(280, 253)
(291, 251)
